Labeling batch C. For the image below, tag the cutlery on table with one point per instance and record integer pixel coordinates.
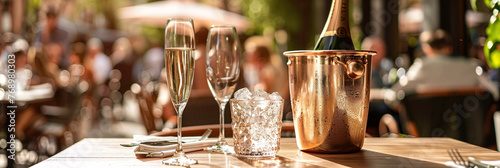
(470, 162)
(165, 142)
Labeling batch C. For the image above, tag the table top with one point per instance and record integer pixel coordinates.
(376, 152)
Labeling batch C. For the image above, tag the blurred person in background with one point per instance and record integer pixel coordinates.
(6, 40)
(154, 61)
(440, 70)
(78, 72)
(77, 53)
(380, 64)
(260, 71)
(39, 64)
(53, 54)
(378, 108)
(27, 114)
(23, 70)
(123, 60)
(98, 62)
(51, 32)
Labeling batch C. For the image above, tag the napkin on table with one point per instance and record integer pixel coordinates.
(144, 150)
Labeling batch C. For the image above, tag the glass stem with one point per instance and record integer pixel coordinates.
(179, 132)
(221, 122)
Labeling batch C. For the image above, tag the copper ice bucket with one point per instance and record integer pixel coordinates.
(330, 91)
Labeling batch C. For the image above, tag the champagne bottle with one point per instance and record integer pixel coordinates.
(336, 35)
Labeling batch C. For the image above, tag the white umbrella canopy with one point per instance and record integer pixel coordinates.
(157, 13)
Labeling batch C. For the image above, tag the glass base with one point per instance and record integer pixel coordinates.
(180, 161)
(220, 147)
(257, 156)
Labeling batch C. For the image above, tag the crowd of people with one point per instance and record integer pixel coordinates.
(96, 86)
(437, 71)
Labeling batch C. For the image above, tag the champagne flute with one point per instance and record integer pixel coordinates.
(223, 70)
(179, 64)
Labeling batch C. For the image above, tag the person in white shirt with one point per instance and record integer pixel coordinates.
(154, 61)
(440, 70)
(98, 62)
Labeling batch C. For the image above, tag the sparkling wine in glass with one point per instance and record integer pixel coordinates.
(223, 71)
(179, 64)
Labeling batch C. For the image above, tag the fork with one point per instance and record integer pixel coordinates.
(469, 163)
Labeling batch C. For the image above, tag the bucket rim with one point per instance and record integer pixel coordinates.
(296, 53)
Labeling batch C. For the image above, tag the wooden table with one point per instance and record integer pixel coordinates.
(377, 152)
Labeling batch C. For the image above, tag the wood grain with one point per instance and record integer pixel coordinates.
(377, 152)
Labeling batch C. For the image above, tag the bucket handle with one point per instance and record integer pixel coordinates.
(354, 68)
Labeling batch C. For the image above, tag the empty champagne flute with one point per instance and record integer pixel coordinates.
(223, 71)
(179, 64)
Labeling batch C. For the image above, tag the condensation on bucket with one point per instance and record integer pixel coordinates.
(330, 108)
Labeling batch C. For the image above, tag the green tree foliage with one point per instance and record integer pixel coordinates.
(492, 45)
(279, 14)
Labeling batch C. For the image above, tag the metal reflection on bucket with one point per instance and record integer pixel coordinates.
(330, 92)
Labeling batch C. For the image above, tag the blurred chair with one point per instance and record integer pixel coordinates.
(61, 118)
(200, 129)
(202, 109)
(388, 127)
(463, 114)
(145, 102)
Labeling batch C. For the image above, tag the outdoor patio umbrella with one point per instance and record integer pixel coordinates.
(157, 13)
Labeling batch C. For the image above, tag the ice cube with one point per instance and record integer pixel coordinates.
(243, 94)
(260, 95)
(260, 106)
(275, 96)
